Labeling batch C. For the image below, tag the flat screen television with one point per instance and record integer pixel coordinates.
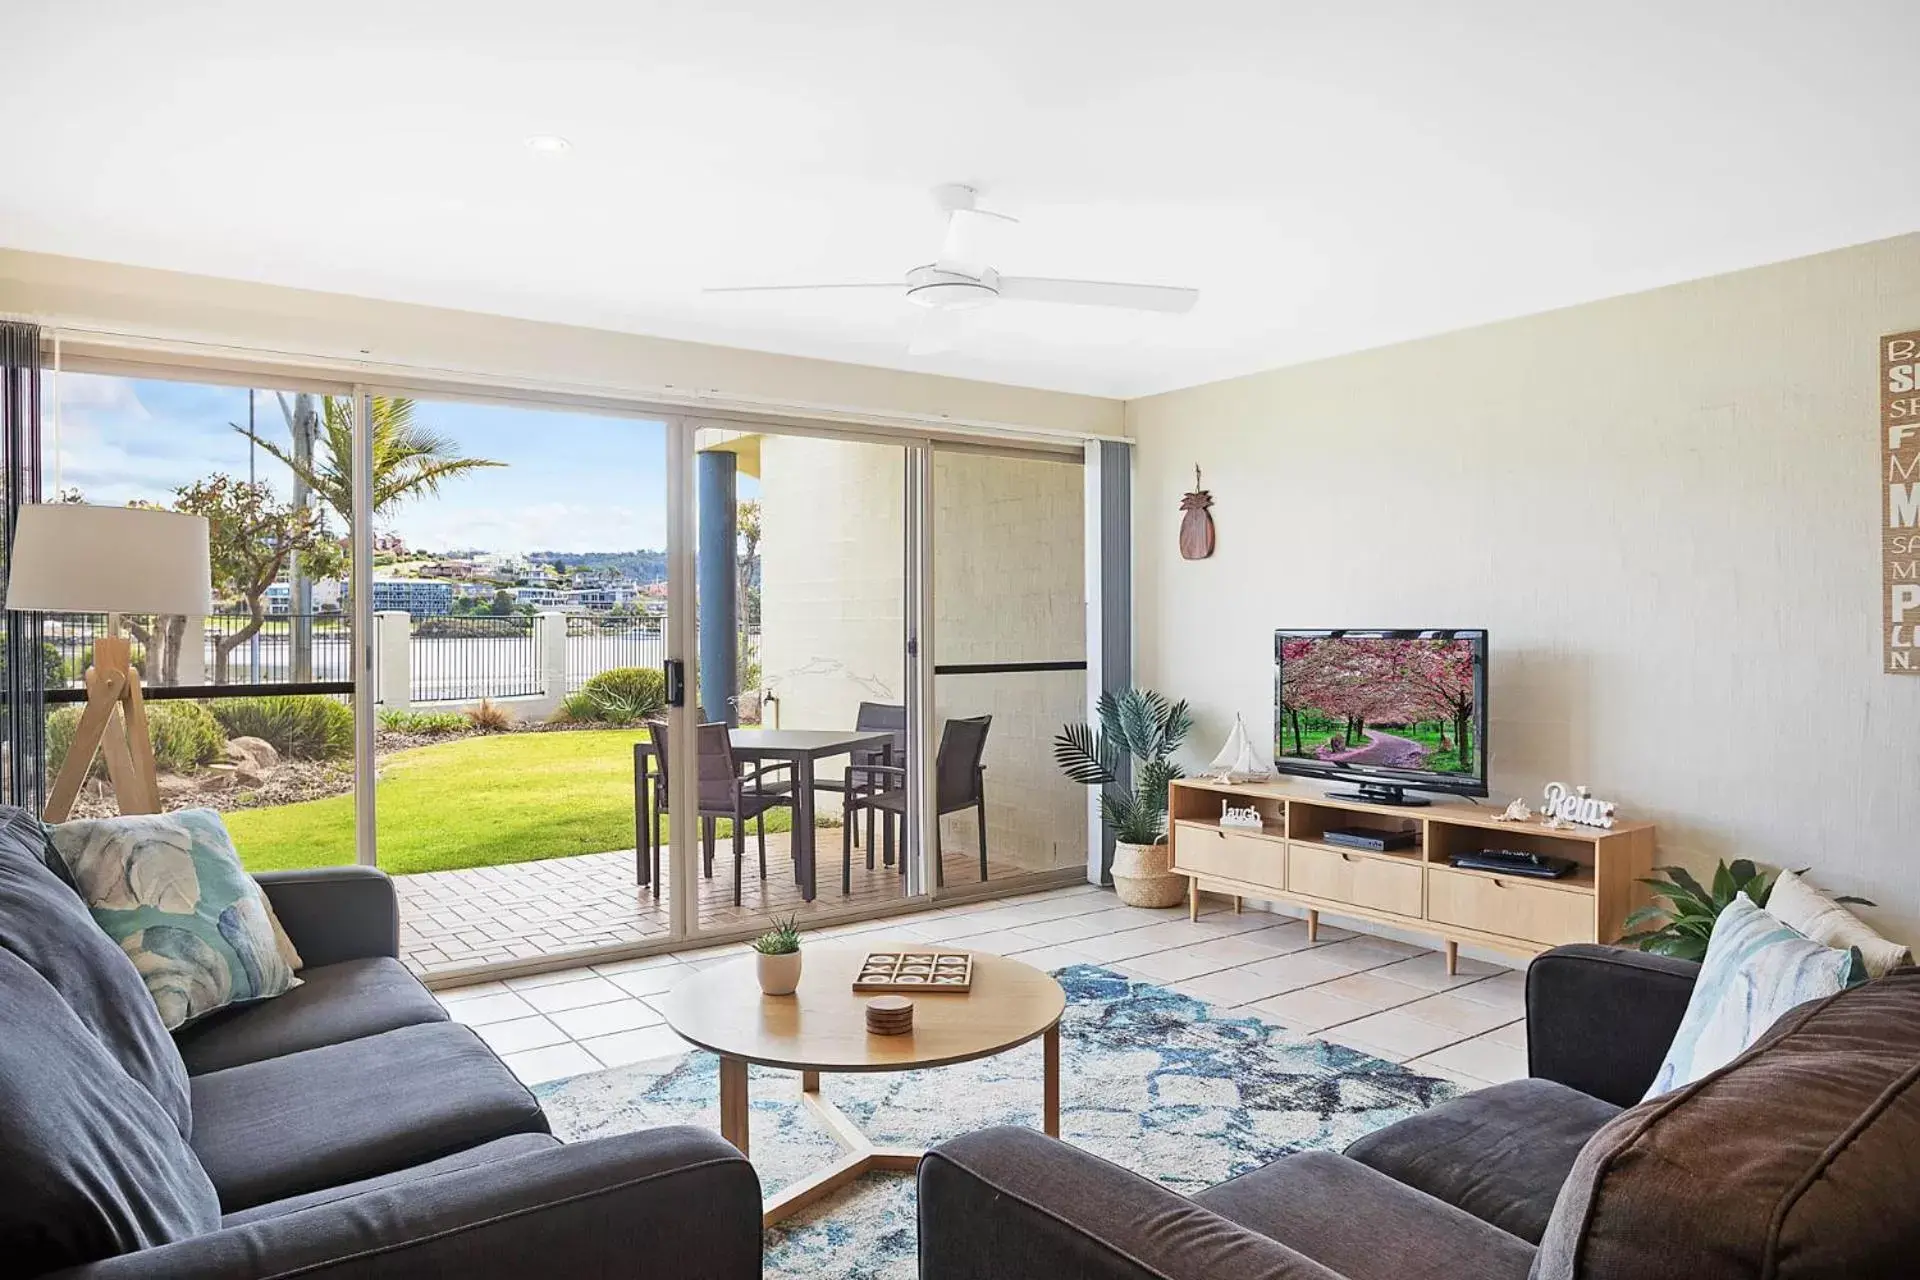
(1389, 710)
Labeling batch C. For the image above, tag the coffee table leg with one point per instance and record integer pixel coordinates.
(733, 1102)
(1050, 1081)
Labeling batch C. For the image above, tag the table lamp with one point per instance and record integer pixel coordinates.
(74, 558)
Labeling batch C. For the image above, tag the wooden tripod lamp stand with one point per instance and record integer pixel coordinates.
(74, 558)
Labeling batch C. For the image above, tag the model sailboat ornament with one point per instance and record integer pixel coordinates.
(1238, 761)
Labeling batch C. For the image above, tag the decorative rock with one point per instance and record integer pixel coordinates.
(255, 754)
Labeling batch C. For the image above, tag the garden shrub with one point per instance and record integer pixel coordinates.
(186, 736)
(488, 718)
(621, 695)
(304, 726)
(53, 667)
(424, 723)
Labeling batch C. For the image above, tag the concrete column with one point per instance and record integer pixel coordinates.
(393, 659)
(716, 474)
(550, 652)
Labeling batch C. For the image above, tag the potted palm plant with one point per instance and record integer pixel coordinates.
(1142, 726)
(777, 957)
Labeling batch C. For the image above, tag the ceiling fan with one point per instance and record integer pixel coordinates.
(960, 279)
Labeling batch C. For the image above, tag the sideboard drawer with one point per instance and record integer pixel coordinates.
(1509, 906)
(1214, 851)
(1383, 884)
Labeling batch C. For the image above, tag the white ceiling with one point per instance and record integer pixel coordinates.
(1331, 177)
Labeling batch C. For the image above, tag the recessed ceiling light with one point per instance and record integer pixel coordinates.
(548, 143)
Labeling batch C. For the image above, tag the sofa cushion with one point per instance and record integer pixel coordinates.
(90, 1164)
(334, 1003)
(1801, 907)
(1359, 1222)
(1756, 969)
(1798, 1159)
(45, 924)
(305, 1121)
(1499, 1153)
(519, 1144)
(169, 888)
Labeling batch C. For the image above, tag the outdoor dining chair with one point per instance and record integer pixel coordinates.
(726, 787)
(960, 782)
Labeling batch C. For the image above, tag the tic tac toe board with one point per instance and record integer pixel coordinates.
(899, 972)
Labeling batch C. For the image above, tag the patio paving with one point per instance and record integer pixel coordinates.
(455, 920)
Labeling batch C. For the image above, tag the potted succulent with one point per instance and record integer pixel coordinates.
(777, 957)
(1143, 726)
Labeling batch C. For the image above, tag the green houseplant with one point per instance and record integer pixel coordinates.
(1142, 726)
(1683, 922)
(777, 957)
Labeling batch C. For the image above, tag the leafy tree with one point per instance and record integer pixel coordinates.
(502, 605)
(409, 460)
(747, 518)
(251, 536)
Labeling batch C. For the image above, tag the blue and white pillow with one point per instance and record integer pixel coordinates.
(1756, 969)
(169, 888)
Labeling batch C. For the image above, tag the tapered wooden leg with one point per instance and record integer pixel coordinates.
(1236, 904)
(1453, 957)
(1193, 899)
(733, 1102)
(1050, 1081)
(809, 1082)
(1313, 925)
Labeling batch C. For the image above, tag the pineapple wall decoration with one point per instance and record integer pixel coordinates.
(1196, 526)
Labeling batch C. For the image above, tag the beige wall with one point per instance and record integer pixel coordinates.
(372, 338)
(1008, 569)
(1664, 507)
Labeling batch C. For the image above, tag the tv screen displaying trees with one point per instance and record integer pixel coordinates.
(1404, 703)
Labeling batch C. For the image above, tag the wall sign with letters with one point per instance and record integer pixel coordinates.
(1900, 465)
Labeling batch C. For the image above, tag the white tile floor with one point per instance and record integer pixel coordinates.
(1383, 997)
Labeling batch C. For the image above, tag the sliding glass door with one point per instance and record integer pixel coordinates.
(802, 675)
(584, 679)
(251, 708)
(1009, 607)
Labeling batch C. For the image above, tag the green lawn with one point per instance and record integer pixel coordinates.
(476, 802)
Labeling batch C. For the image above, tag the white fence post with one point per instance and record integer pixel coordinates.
(193, 653)
(393, 659)
(550, 652)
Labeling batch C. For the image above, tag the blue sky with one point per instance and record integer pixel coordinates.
(574, 482)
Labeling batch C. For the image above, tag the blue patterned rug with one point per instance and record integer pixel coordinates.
(1158, 1082)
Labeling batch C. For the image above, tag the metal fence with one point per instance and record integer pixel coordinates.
(596, 644)
(459, 659)
(264, 658)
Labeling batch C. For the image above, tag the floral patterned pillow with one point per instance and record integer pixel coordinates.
(169, 888)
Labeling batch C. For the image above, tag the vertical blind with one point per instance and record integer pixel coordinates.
(24, 682)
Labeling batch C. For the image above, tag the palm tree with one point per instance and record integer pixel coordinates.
(409, 460)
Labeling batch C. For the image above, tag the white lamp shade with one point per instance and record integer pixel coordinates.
(74, 558)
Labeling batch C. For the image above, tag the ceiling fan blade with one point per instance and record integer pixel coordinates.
(967, 244)
(1099, 293)
(794, 288)
(937, 329)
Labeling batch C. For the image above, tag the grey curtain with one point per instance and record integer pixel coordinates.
(23, 685)
(1116, 595)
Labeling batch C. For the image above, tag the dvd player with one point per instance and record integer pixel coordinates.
(1510, 862)
(1378, 839)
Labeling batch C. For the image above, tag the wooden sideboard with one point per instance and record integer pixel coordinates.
(1289, 861)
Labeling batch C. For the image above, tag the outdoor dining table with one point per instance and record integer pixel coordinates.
(802, 748)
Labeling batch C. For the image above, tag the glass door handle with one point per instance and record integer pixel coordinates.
(675, 670)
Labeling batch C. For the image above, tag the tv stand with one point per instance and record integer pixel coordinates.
(1381, 793)
(1415, 886)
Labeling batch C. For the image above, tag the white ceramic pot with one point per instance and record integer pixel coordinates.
(779, 975)
(1141, 875)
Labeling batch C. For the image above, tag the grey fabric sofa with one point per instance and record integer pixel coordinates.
(345, 1129)
(1794, 1161)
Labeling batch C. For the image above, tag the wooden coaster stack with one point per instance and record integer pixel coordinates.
(889, 1016)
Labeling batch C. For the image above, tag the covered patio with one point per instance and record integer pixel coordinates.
(525, 911)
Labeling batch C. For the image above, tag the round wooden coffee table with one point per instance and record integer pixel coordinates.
(821, 1029)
